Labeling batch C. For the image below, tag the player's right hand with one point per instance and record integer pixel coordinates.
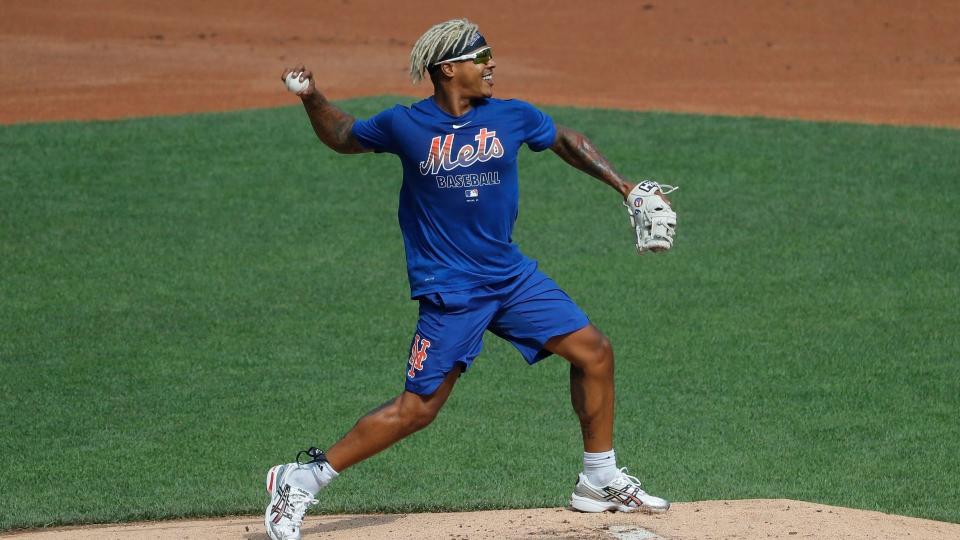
(306, 75)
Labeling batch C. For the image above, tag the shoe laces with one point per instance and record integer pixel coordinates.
(298, 501)
(624, 478)
(316, 456)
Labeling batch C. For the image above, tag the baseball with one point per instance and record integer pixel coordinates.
(293, 83)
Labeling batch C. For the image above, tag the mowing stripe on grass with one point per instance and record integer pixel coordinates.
(187, 301)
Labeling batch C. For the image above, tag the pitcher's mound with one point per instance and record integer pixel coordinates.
(746, 519)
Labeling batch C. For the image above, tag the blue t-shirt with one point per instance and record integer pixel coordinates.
(460, 193)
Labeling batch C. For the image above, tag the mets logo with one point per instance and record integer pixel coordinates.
(418, 355)
(441, 152)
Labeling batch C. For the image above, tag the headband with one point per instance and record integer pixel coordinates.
(475, 42)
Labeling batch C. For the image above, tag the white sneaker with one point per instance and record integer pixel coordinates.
(622, 494)
(288, 504)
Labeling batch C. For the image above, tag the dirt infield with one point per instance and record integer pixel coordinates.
(887, 61)
(700, 520)
(874, 61)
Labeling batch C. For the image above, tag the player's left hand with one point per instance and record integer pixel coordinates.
(651, 216)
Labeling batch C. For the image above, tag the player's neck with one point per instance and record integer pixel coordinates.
(452, 103)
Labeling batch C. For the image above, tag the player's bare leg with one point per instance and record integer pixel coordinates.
(389, 423)
(591, 383)
(292, 486)
(602, 486)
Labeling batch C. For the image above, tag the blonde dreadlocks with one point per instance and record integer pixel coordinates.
(438, 42)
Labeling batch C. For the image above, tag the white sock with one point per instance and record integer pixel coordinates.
(312, 477)
(600, 467)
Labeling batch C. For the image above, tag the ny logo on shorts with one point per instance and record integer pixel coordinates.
(418, 355)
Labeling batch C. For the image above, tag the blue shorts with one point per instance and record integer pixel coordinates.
(526, 310)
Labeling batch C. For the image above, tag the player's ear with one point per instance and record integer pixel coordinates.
(447, 70)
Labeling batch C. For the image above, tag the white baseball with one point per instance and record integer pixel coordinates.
(293, 83)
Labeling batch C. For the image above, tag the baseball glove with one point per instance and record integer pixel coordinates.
(651, 216)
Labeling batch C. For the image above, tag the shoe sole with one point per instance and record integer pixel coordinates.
(273, 478)
(586, 504)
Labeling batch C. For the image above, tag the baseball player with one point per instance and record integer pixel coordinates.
(458, 204)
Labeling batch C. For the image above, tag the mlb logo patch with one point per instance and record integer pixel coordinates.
(472, 193)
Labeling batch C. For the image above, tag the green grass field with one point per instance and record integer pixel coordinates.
(187, 301)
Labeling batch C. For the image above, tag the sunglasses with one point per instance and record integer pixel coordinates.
(479, 57)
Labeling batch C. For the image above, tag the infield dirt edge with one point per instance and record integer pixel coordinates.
(748, 518)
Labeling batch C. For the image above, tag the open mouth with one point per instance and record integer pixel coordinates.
(489, 78)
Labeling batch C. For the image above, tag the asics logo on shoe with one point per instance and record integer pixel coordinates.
(623, 496)
(280, 508)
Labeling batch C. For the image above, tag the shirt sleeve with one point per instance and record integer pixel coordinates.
(376, 132)
(540, 130)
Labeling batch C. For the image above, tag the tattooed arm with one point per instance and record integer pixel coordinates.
(578, 151)
(332, 126)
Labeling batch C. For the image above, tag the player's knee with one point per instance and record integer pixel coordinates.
(600, 354)
(605, 350)
(419, 420)
(416, 415)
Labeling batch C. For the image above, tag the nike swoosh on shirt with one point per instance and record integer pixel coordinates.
(458, 126)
